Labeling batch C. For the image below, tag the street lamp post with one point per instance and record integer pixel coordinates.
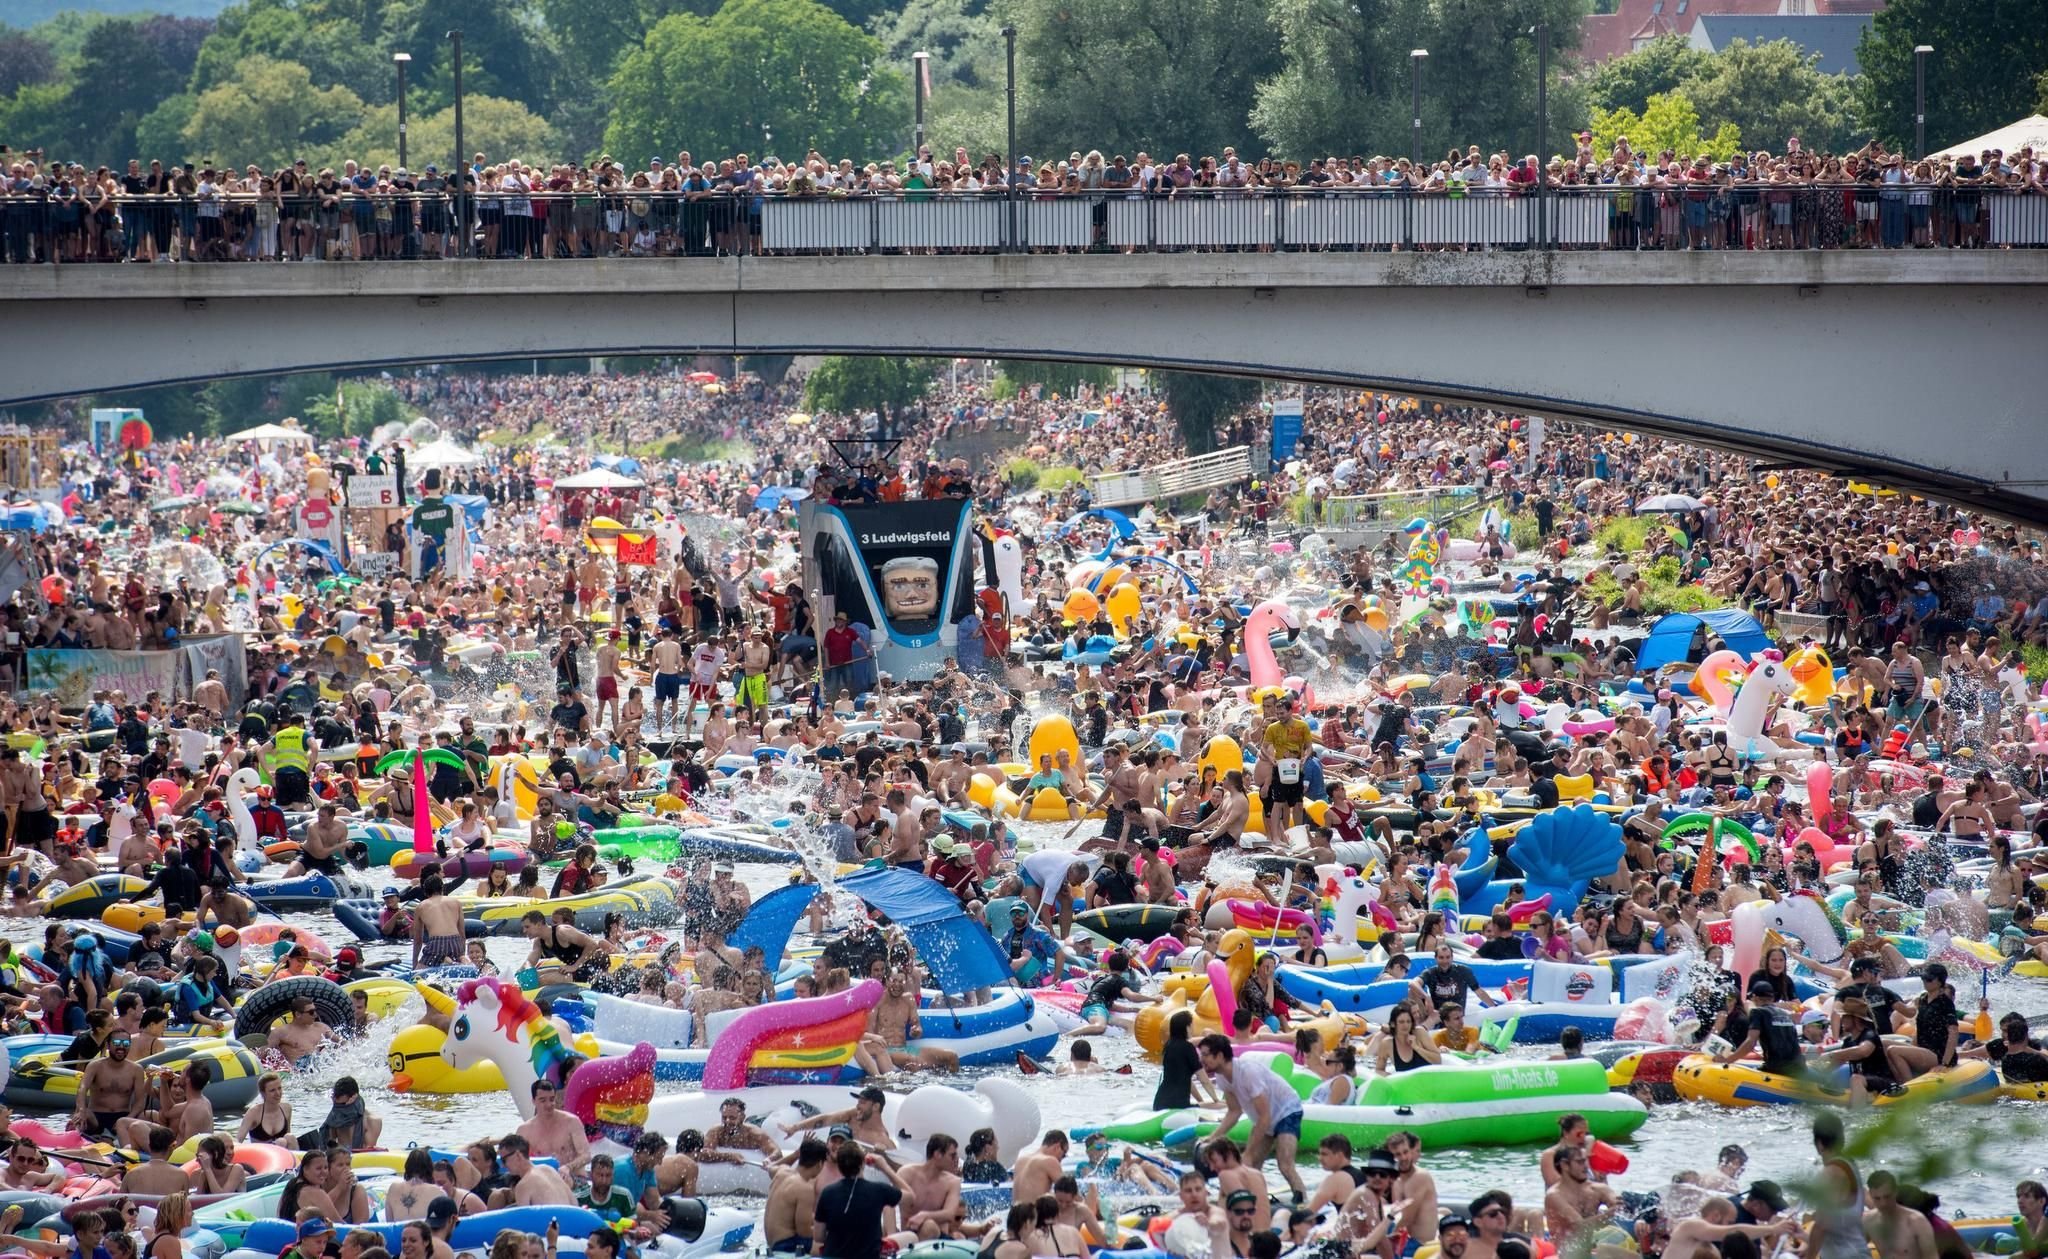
(465, 235)
(1920, 52)
(1010, 157)
(1415, 60)
(920, 67)
(401, 60)
(1542, 32)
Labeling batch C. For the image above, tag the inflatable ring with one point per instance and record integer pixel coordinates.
(265, 1006)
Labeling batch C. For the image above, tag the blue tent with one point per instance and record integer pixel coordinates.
(958, 951)
(473, 505)
(1671, 638)
(772, 921)
(624, 465)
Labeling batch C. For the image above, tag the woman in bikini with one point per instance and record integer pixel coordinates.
(270, 1119)
(215, 1172)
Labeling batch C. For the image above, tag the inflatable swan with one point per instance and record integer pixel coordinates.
(240, 783)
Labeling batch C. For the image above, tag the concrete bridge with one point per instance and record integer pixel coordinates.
(1916, 369)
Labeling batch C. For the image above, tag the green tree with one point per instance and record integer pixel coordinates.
(504, 52)
(160, 134)
(1770, 92)
(1157, 75)
(270, 113)
(1670, 122)
(1630, 80)
(24, 60)
(965, 41)
(786, 75)
(1064, 379)
(120, 74)
(845, 384)
(1347, 79)
(500, 128)
(1200, 403)
(1980, 76)
(340, 42)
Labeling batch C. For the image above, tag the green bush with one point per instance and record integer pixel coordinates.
(1053, 480)
(1022, 473)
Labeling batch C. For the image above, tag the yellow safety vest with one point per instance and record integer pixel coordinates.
(289, 748)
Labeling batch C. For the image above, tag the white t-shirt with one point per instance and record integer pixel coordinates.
(192, 747)
(705, 663)
(1251, 1079)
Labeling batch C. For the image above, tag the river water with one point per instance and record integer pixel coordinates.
(1989, 1148)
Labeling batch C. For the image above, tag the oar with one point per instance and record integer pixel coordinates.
(1286, 886)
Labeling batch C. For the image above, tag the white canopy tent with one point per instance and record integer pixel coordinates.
(442, 454)
(271, 433)
(2008, 139)
(599, 479)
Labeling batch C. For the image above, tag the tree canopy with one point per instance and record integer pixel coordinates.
(757, 77)
(1984, 71)
(846, 384)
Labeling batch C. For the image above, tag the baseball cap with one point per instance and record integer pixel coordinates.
(1454, 1220)
(1020, 911)
(1241, 1197)
(1767, 1192)
(872, 1094)
(440, 1211)
(314, 1227)
(351, 956)
(840, 1130)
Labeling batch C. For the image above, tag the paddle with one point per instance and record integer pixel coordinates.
(1029, 1065)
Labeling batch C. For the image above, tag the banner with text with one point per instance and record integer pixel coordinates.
(224, 652)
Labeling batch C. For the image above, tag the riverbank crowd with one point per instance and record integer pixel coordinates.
(511, 612)
(56, 208)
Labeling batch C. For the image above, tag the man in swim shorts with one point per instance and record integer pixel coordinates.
(110, 1090)
(437, 931)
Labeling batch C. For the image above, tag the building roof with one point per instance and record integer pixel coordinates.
(1834, 36)
(1603, 36)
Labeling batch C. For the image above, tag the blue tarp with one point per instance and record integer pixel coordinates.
(1670, 638)
(624, 465)
(473, 505)
(32, 517)
(958, 951)
(772, 920)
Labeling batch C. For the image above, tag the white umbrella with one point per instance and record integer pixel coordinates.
(442, 454)
(599, 479)
(1669, 502)
(272, 433)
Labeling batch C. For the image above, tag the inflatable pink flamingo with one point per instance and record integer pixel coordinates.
(1266, 619)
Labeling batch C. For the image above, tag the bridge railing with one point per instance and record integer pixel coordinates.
(1395, 508)
(46, 226)
(1172, 478)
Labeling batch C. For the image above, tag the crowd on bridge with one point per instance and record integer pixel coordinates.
(58, 209)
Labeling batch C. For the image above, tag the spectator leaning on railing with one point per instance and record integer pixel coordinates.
(54, 211)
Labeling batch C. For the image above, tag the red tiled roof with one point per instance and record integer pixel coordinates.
(1603, 36)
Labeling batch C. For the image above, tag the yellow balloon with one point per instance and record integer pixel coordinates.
(1772, 480)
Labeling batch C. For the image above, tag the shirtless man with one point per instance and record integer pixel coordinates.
(1414, 1186)
(864, 1119)
(1035, 1172)
(735, 1134)
(1576, 1204)
(1716, 1221)
(933, 1208)
(792, 1199)
(893, 1024)
(951, 778)
(669, 678)
(607, 658)
(28, 1168)
(159, 1175)
(1898, 1233)
(301, 1038)
(755, 657)
(138, 852)
(110, 1091)
(553, 1131)
(1227, 1161)
(1121, 780)
(326, 836)
(437, 930)
(534, 1184)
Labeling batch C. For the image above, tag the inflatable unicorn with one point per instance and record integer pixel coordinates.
(1822, 934)
(1349, 895)
(1009, 555)
(1744, 695)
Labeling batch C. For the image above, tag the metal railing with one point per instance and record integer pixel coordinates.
(44, 226)
(1172, 478)
(1398, 507)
